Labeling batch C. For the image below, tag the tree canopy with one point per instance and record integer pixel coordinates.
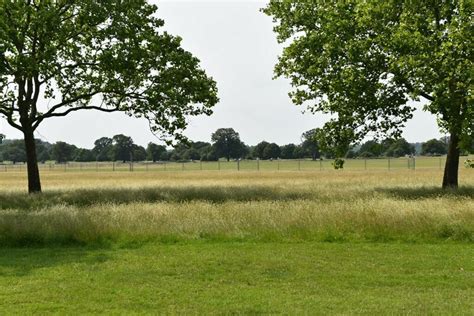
(363, 61)
(95, 55)
(227, 143)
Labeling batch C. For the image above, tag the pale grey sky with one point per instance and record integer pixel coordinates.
(237, 47)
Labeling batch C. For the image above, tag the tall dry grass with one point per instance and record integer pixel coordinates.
(330, 206)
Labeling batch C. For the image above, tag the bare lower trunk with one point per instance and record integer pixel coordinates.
(34, 184)
(450, 179)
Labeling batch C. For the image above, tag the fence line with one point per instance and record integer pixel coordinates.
(412, 163)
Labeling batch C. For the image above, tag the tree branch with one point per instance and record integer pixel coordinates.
(41, 118)
(9, 116)
(427, 96)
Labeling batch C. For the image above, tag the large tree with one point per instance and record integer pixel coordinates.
(363, 61)
(227, 143)
(122, 148)
(310, 143)
(107, 55)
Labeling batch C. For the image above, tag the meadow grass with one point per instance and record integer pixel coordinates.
(210, 242)
(358, 206)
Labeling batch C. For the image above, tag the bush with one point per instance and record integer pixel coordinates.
(469, 163)
(338, 163)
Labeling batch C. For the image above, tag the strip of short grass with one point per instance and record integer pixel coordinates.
(234, 277)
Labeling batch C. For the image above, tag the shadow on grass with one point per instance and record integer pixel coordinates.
(18, 262)
(88, 197)
(426, 192)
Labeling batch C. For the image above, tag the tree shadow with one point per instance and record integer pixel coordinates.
(426, 192)
(20, 262)
(88, 197)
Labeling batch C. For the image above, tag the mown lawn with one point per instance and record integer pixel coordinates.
(240, 277)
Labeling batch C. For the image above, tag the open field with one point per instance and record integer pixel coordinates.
(403, 163)
(358, 242)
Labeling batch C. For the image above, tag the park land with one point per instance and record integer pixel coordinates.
(360, 241)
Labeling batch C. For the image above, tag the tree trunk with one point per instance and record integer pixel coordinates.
(450, 179)
(34, 184)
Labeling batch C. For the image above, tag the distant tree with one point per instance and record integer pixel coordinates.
(299, 152)
(138, 153)
(288, 151)
(178, 151)
(43, 150)
(76, 52)
(371, 148)
(14, 151)
(191, 154)
(103, 149)
(271, 151)
(209, 154)
(84, 155)
(434, 147)
(400, 148)
(363, 61)
(227, 143)
(154, 152)
(122, 147)
(310, 144)
(259, 149)
(63, 152)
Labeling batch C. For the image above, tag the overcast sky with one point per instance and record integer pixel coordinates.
(237, 47)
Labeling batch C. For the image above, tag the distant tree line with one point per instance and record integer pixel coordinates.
(225, 144)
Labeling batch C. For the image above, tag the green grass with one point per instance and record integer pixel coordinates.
(240, 278)
(311, 242)
(402, 163)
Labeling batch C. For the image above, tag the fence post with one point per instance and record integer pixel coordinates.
(414, 163)
(388, 163)
(238, 164)
(218, 165)
(258, 164)
(320, 165)
(299, 165)
(365, 163)
(200, 165)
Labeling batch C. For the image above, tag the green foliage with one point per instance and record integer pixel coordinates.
(13, 151)
(258, 150)
(434, 147)
(116, 51)
(227, 143)
(364, 61)
(84, 155)
(400, 148)
(310, 143)
(469, 163)
(271, 151)
(338, 163)
(63, 152)
(122, 148)
(155, 152)
(288, 151)
(103, 149)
